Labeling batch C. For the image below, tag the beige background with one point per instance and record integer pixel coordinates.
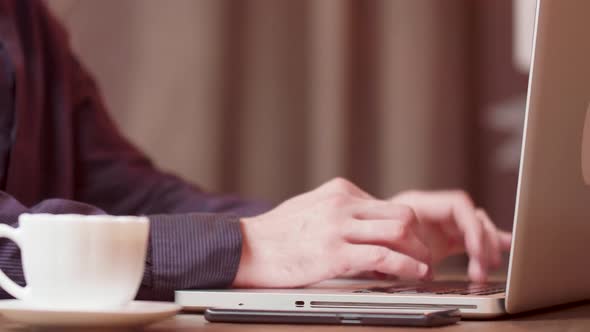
(268, 98)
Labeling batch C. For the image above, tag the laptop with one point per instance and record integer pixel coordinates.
(548, 260)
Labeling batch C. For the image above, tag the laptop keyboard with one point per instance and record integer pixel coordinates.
(439, 288)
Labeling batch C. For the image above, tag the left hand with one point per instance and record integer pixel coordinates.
(451, 224)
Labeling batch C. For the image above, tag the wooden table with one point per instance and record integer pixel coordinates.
(565, 318)
(570, 318)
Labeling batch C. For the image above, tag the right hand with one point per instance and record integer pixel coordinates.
(331, 231)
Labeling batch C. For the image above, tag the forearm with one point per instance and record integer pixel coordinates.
(124, 181)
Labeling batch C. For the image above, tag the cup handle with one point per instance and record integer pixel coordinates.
(6, 283)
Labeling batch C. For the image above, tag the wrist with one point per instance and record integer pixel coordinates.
(243, 278)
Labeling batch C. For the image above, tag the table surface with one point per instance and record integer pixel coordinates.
(575, 317)
(565, 318)
(571, 318)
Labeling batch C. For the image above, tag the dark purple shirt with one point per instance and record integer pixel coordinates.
(61, 153)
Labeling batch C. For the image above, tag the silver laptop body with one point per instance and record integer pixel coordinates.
(549, 254)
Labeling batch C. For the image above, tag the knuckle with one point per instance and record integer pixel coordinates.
(481, 234)
(339, 184)
(378, 256)
(402, 231)
(343, 229)
(338, 200)
(462, 197)
(342, 262)
(406, 214)
(484, 217)
(410, 194)
(343, 266)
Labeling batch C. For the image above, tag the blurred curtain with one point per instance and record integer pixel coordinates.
(269, 98)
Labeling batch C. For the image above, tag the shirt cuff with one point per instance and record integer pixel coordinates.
(199, 250)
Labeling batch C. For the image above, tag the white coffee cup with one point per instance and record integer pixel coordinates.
(78, 262)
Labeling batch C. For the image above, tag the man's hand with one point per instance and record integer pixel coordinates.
(329, 232)
(451, 224)
(338, 229)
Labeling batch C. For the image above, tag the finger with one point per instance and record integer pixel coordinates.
(455, 205)
(378, 209)
(382, 210)
(473, 231)
(491, 236)
(365, 257)
(505, 239)
(476, 272)
(394, 234)
(367, 275)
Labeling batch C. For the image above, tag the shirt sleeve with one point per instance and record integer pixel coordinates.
(195, 238)
(198, 250)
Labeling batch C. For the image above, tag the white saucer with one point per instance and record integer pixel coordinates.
(136, 313)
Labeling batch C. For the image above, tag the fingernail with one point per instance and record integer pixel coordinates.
(424, 270)
(477, 272)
